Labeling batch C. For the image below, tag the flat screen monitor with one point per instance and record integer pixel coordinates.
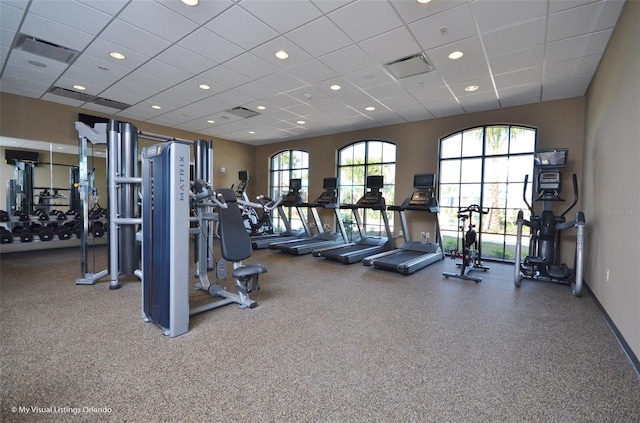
(295, 184)
(243, 175)
(556, 157)
(375, 181)
(424, 180)
(330, 183)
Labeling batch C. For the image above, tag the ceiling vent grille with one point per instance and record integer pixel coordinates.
(242, 112)
(46, 49)
(75, 95)
(409, 66)
(111, 103)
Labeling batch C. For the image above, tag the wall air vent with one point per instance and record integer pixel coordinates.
(75, 95)
(242, 112)
(46, 49)
(111, 103)
(409, 66)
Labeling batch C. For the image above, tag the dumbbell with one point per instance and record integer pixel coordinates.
(4, 216)
(6, 237)
(26, 236)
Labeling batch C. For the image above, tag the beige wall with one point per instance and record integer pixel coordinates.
(27, 118)
(559, 123)
(612, 174)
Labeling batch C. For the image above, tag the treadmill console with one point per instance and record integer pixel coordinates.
(330, 194)
(423, 198)
(293, 197)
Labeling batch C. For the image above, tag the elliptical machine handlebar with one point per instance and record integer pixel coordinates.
(575, 196)
(475, 208)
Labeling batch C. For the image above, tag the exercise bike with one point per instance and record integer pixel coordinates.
(471, 254)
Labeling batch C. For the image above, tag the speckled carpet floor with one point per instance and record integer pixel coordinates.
(327, 343)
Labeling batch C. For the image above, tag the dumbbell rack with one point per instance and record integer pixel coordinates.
(46, 231)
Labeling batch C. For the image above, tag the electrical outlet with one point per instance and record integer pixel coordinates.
(428, 236)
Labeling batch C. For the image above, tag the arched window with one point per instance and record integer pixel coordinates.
(359, 160)
(287, 165)
(486, 165)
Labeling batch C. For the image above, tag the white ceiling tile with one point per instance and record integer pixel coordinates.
(387, 90)
(239, 26)
(471, 47)
(433, 95)
(54, 32)
(556, 6)
(94, 83)
(20, 87)
(257, 89)
(484, 86)
(426, 81)
(391, 46)
(327, 6)
(583, 45)
(444, 28)
(6, 37)
(492, 15)
(67, 12)
(128, 93)
(565, 87)
(444, 108)
(347, 60)
(225, 76)
(522, 59)
(200, 14)
(101, 48)
(164, 71)
(520, 77)
(62, 100)
(10, 16)
(110, 7)
(581, 20)
(156, 19)
(462, 73)
(250, 65)
(370, 77)
(515, 38)
(312, 72)
(52, 70)
(185, 60)
(332, 38)
(282, 15)
(411, 11)
(519, 101)
(134, 38)
(282, 101)
(513, 95)
(362, 20)
(233, 97)
(282, 82)
(400, 102)
(479, 104)
(413, 113)
(210, 45)
(100, 108)
(30, 73)
(110, 69)
(267, 52)
(576, 66)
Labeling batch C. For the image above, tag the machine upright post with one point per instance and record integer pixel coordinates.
(113, 149)
(516, 269)
(580, 226)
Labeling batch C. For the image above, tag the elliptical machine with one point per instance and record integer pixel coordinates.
(543, 262)
(471, 254)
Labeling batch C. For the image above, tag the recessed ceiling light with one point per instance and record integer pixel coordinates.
(471, 88)
(156, 107)
(370, 109)
(117, 55)
(282, 54)
(211, 121)
(190, 2)
(79, 87)
(60, 148)
(204, 87)
(423, 1)
(456, 55)
(335, 87)
(301, 122)
(261, 108)
(252, 132)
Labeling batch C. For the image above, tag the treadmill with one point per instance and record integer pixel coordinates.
(412, 255)
(328, 200)
(292, 199)
(365, 245)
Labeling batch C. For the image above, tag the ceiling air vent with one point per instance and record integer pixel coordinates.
(242, 112)
(111, 103)
(409, 66)
(63, 92)
(46, 49)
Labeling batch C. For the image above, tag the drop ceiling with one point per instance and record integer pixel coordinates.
(515, 52)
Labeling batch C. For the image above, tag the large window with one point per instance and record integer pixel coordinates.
(357, 161)
(486, 166)
(287, 165)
